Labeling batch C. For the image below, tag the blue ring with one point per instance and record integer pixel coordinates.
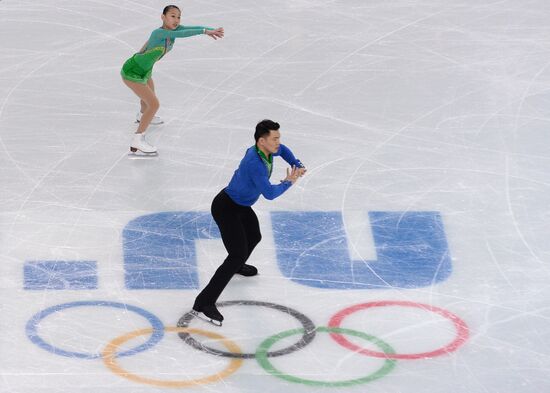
(32, 325)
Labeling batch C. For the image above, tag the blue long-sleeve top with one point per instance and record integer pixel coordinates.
(251, 179)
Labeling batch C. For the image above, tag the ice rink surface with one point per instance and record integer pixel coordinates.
(412, 258)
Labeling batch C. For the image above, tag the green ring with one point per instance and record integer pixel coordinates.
(263, 349)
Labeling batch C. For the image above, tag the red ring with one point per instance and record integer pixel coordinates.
(461, 329)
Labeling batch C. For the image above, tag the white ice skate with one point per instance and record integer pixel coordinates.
(155, 121)
(140, 147)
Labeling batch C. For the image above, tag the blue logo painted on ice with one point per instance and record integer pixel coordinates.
(411, 247)
(311, 249)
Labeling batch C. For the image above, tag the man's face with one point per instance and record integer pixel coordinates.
(271, 142)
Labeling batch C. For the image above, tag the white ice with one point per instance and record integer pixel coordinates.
(393, 106)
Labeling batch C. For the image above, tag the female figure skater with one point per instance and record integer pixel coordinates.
(136, 71)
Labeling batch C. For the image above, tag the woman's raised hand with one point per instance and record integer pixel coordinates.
(216, 33)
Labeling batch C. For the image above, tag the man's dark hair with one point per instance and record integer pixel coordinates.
(168, 8)
(263, 128)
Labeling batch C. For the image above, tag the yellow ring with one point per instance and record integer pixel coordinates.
(110, 351)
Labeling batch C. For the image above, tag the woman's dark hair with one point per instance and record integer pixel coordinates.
(168, 8)
(263, 128)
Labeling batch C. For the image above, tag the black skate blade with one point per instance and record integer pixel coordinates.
(203, 317)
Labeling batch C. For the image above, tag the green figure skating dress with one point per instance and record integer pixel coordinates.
(139, 67)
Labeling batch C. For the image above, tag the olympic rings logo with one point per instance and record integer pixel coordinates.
(307, 333)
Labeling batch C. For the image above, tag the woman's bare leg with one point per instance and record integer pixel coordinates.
(151, 85)
(148, 97)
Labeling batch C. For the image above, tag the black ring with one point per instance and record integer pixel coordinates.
(307, 337)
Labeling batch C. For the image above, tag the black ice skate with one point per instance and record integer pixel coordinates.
(208, 313)
(247, 270)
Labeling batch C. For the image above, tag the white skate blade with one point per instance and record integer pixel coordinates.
(153, 122)
(203, 317)
(139, 155)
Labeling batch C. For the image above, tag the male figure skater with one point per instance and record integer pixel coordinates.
(232, 211)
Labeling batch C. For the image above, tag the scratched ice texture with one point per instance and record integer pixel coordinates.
(421, 226)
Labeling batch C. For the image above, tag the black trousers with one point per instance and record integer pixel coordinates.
(240, 231)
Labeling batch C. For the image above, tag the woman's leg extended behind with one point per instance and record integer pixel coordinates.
(148, 96)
